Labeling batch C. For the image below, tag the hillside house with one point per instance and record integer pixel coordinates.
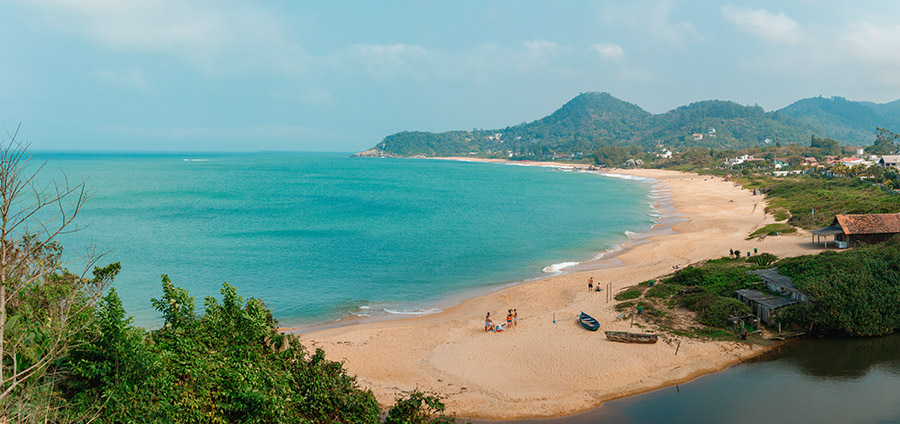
(851, 230)
(892, 161)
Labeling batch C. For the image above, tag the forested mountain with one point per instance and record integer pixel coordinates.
(593, 120)
(845, 120)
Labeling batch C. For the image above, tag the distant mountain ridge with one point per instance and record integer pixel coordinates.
(593, 120)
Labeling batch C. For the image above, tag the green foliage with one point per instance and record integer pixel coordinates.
(598, 123)
(885, 142)
(418, 407)
(663, 290)
(717, 278)
(629, 294)
(228, 365)
(716, 314)
(826, 145)
(762, 259)
(856, 292)
(829, 196)
(625, 306)
(773, 229)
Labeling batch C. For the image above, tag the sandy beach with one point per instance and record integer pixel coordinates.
(541, 368)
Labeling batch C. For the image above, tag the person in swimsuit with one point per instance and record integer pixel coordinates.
(488, 322)
(515, 317)
(591, 284)
(509, 319)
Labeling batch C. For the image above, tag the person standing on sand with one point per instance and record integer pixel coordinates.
(509, 319)
(591, 284)
(488, 322)
(515, 318)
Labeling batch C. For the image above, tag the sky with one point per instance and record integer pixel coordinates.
(227, 75)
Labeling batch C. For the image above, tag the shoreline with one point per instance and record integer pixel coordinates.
(549, 366)
(663, 224)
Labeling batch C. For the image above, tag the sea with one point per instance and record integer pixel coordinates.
(323, 237)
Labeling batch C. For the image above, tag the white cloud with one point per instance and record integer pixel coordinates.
(775, 28)
(388, 60)
(609, 50)
(872, 43)
(213, 36)
(655, 20)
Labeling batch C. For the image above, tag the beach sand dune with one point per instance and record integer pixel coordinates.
(541, 368)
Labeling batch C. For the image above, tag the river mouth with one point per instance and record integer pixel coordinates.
(840, 380)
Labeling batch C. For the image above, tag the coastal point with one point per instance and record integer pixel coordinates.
(542, 367)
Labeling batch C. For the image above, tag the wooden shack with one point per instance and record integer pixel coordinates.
(851, 230)
(764, 305)
(780, 284)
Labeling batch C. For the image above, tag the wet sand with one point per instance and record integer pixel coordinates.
(541, 368)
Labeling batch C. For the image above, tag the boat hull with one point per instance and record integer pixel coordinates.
(588, 322)
(626, 337)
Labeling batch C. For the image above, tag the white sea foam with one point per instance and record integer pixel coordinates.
(630, 234)
(558, 267)
(196, 160)
(625, 177)
(411, 311)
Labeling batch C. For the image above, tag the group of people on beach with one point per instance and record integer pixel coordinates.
(512, 320)
(591, 285)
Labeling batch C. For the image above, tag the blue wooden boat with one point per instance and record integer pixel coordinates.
(588, 322)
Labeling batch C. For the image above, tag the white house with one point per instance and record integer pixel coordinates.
(892, 161)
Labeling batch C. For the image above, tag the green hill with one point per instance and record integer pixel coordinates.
(593, 120)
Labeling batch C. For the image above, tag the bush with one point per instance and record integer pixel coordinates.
(762, 259)
(629, 294)
(663, 291)
(716, 315)
(418, 407)
(856, 291)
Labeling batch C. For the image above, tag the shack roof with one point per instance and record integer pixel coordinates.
(828, 231)
(771, 275)
(771, 302)
(876, 223)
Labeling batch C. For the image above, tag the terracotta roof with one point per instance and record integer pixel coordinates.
(876, 223)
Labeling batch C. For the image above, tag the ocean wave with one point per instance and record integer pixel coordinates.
(630, 234)
(411, 311)
(625, 177)
(558, 267)
(196, 160)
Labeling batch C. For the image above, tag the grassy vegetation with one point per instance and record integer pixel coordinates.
(798, 196)
(706, 289)
(629, 294)
(773, 229)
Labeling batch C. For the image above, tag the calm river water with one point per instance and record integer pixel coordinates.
(807, 381)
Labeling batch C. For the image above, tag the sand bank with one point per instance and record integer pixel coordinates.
(542, 368)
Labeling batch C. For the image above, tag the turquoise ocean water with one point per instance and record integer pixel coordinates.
(320, 237)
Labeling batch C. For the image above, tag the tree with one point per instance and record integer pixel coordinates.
(884, 142)
(827, 146)
(42, 304)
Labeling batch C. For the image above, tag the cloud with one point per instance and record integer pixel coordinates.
(872, 43)
(774, 28)
(609, 50)
(654, 19)
(388, 60)
(212, 36)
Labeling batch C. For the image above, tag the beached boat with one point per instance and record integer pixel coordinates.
(588, 322)
(626, 337)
